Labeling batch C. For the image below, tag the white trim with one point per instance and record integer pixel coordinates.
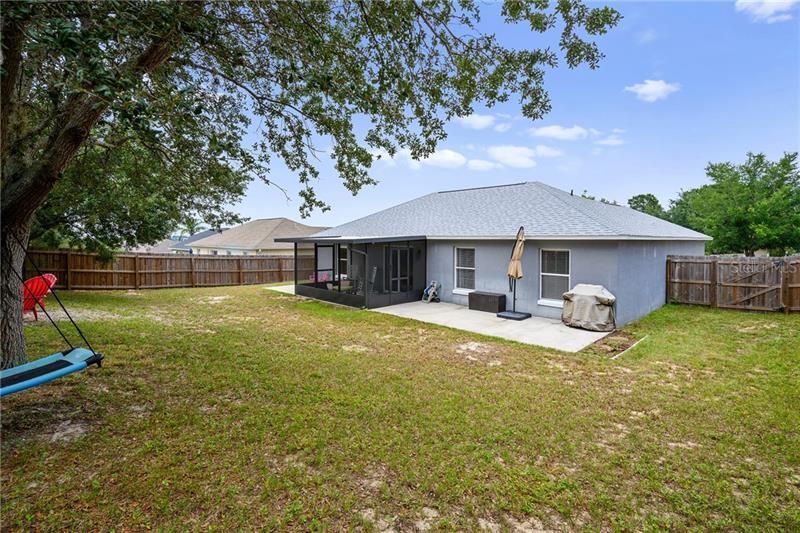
(456, 268)
(463, 292)
(382, 238)
(562, 238)
(550, 303)
(542, 300)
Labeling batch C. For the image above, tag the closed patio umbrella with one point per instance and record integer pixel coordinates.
(514, 273)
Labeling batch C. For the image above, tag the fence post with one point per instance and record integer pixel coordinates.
(295, 264)
(69, 270)
(785, 267)
(191, 269)
(239, 261)
(280, 269)
(136, 272)
(669, 279)
(712, 291)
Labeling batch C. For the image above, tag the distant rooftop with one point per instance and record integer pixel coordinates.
(257, 234)
(498, 211)
(183, 244)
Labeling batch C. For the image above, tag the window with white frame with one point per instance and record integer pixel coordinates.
(465, 268)
(553, 274)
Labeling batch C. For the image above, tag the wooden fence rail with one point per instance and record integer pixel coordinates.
(749, 283)
(77, 270)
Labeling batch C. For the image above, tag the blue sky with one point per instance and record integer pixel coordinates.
(682, 84)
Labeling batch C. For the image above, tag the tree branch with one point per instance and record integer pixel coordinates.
(25, 191)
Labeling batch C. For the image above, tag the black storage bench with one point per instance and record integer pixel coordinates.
(491, 302)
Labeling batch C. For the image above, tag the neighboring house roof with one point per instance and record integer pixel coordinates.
(184, 244)
(497, 213)
(161, 247)
(258, 235)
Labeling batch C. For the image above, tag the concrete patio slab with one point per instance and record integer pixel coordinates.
(285, 289)
(546, 332)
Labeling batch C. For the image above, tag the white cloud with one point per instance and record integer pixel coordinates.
(617, 130)
(380, 154)
(561, 133)
(611, 140)
(482, 165)
(502, 127)
(646, 36)
(445, 158)
(541, 150)
(476, 121)
(769, 11)
(513, 156)
(653, 90)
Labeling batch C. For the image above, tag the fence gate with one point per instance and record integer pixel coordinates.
(749, 283)
(752, 285)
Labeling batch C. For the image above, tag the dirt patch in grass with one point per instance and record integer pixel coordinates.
(79, 315)
(479, 352)
(611, 345)
(355, 348)
(213, 299)
(51, 421)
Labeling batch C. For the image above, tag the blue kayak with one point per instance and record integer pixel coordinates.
(46, 369)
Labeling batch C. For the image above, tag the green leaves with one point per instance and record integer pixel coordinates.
(647, 203)
(359, 76)
(748, 207)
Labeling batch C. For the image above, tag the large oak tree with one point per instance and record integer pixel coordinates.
(148, 104)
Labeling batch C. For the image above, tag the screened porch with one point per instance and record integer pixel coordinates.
(361, 274)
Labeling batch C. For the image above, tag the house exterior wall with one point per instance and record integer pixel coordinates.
(641, 286)
(632, 270)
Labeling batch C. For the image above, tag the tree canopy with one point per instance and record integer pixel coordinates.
(746, 207)
(133, 113)
(647, 203)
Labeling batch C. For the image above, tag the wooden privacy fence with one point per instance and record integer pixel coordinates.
(148, 271)
(750, 283)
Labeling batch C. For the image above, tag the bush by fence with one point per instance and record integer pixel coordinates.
(149, 271)
(750, 283)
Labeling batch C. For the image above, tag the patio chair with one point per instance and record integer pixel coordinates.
(34, 291)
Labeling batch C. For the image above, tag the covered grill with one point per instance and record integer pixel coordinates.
(589, 307)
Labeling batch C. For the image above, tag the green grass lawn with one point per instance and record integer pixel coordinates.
(234, 408)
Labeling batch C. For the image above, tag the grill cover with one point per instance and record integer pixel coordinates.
(589, 307)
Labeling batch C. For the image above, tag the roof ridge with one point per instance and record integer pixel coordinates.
(577, 205)
(374, 213)
(483, 187)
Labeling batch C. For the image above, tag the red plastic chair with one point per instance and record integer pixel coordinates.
(34, 291)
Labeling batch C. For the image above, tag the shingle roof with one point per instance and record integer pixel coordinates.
(185, 244)
(497, 212)
(161, 247)
(257, 234)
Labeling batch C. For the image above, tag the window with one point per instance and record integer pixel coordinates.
(214, 252)
(553, 276)
(465, 268)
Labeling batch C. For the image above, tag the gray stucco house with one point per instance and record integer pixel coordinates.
(463, 239)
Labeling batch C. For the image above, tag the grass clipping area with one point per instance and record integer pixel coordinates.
(240, 407)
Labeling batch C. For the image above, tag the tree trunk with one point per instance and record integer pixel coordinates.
(12, 338)
(28, 180)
